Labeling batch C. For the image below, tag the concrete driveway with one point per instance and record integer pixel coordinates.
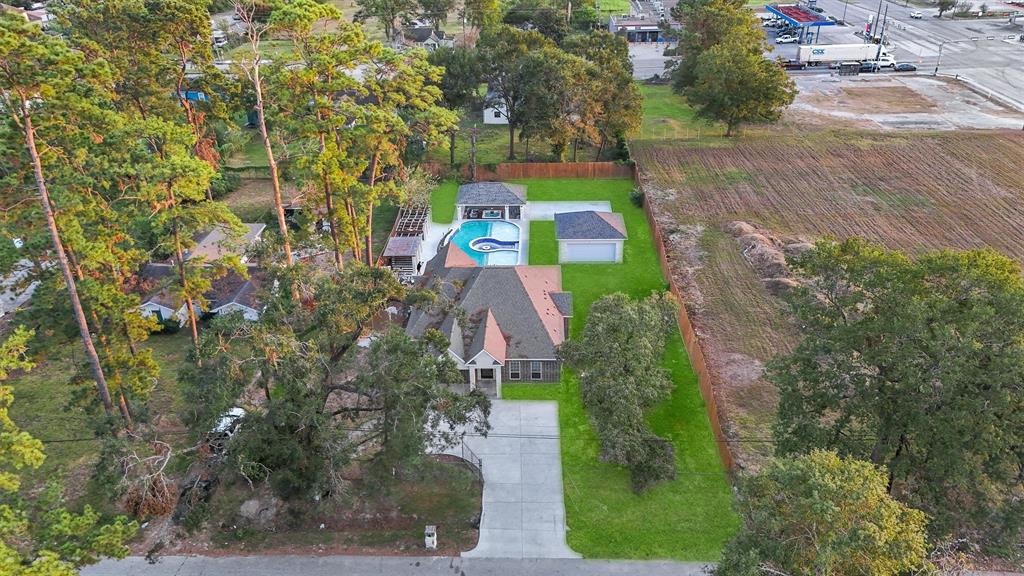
(523, 512)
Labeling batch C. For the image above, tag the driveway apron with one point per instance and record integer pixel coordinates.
(523, 511)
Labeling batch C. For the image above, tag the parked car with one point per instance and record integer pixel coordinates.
(792, 64)
(869, 67)
(787, 39)
(833, 19)
(917, 15)
(905, 67)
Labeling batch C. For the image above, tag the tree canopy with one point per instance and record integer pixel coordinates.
(916, 365)
(618, 359)
(39, 536)
(822, 514)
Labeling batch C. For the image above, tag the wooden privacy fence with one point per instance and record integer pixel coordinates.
(515, 171)
(690, 339)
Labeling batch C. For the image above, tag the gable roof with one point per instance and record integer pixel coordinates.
(516, 303)
(216, 243)
(589, 225)
(491, 194)
(232, 288)
(488, 338)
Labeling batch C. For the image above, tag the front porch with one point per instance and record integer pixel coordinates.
(488, 380)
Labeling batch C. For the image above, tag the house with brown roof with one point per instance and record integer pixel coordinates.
(503, 323)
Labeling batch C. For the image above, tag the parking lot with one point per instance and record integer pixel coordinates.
(984, 52)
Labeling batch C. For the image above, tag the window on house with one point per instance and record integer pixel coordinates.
(535, 370)
(487, 373)
(514, 370)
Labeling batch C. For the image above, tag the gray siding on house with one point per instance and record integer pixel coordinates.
(551, 371)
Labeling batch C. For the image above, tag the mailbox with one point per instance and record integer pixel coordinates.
(430, 537)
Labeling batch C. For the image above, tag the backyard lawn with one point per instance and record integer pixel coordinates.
(689, 518)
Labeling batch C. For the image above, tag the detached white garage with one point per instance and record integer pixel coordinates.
(589, 236)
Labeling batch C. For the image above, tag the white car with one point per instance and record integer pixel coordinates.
(916, 15)
(787, 39)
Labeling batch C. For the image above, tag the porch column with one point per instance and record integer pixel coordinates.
(497, 381)
(472, 379)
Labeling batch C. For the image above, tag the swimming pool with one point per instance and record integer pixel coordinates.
(489, 242)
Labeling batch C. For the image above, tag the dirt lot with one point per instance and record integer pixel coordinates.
(896, 101)
(909, 190)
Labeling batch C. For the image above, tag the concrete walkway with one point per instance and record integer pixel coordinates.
(523, 512)
(383, 566)
(546, 210)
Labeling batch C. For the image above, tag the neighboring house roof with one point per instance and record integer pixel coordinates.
(517, 302)
(402, 246)
(232, 288)
(153, 286)
(421, 34)
(589, 225)
(491, 194)
(228, 289)
(216, 243)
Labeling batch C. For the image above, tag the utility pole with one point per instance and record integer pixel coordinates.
(939, 59)
(881, 35)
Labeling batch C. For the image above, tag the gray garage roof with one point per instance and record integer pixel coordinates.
(491, 194)
(589, 225)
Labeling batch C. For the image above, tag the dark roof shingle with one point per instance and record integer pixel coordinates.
(491, 194)
(589, 225)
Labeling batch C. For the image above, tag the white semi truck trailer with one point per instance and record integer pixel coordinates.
(813, 54)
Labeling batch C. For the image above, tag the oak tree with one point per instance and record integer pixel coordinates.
(916, 366)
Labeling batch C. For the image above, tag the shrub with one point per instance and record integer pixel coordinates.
(636, 196)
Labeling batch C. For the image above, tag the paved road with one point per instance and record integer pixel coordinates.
(384, 566)
(980, 50)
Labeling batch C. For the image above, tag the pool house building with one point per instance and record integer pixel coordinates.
(490, 201)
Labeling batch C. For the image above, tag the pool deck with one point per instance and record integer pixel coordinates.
(434, 232)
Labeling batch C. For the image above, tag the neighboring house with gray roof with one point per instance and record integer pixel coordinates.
(590, 236)
(229, 293)
(427, 37)
(504, 323)
(490, 200)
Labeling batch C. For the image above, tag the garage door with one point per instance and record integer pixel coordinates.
(596, 252)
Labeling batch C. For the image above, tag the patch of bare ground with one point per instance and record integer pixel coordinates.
(366, 520)
(253, 200)
(867, 99)
(731, 213)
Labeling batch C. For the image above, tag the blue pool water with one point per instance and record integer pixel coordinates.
(504, 252)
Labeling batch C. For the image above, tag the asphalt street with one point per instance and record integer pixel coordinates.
(384, 566)
(985, 52)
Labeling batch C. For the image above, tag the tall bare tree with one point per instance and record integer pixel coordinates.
(251, 64)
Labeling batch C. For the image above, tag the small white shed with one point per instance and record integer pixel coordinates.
(589, 236)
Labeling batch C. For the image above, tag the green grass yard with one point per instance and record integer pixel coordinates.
(43, 399)
(689, 518)
(667, 116)
(442, 202)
